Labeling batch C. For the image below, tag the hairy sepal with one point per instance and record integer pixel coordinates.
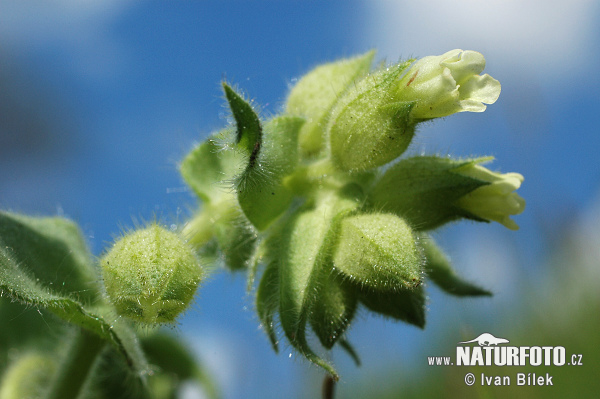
(378, 251)
(316, 93)
(305, 254)
(337, 305)
(370, 126)
(407, 305)
(248, 127)
(267, 301)
(423, 190)
(209, 168)
(261, 192)
(440, 271)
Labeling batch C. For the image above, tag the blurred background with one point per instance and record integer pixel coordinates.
(100, 100)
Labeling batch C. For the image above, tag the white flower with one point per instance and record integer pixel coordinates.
(495, 201)
(449, 83)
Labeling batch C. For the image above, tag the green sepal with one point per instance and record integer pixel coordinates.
(423, 190)
(346, 346)
(370, 126)
(267, 302)
(440, 271)
(261, 192)
(335, 309)
(305, 247)
(405, 304)
(316, 93)
(248, 128)
(378, 251)
(236, 239)
(174, 359)
(209, 168)
(19, 281)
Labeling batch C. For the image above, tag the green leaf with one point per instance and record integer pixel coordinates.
(248, 129)
(19, 280)
(53, 250)
(378, 251)
(261, 192)
(423, 190)
(440, 271)
(316, 93)
(405, 304)
(174, 359)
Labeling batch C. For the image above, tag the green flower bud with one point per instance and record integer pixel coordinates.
(316, 93)
(429, 191)
(449, 83)
(151, 275)
(378, 251)
(370, 125)
(495, 201)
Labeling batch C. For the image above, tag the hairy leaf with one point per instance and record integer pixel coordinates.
(19, 278)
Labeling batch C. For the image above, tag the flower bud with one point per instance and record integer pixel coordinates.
(449, 83)
(429, 191)
(369, 126)
(495, 201)
(151, 275)
(315, 94)
(378, 251)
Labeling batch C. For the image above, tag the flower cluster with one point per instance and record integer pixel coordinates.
(302, 200)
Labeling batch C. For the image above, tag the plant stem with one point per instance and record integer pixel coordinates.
(328, 387)
(75, 368)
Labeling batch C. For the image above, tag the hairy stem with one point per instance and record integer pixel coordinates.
(76, 365)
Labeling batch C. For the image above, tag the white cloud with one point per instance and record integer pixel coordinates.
(551, 37)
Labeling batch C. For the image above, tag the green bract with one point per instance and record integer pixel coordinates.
(151, 275)
(303, 196)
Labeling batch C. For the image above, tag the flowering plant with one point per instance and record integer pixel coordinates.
(318, 199)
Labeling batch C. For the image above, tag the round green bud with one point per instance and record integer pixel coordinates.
(379, 251)
(151, 275)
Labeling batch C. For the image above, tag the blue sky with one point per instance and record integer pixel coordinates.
(102, 100)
